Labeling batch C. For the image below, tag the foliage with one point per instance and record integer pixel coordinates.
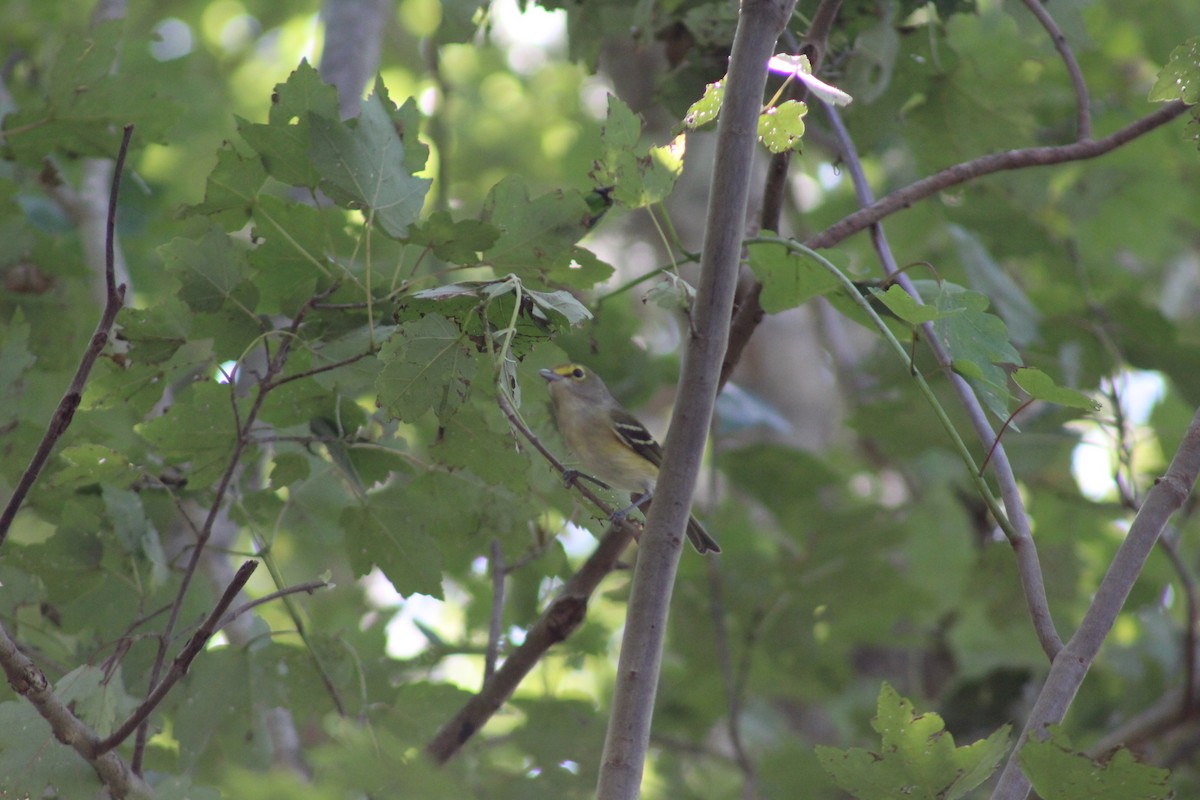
(919, 759)
(327, 362)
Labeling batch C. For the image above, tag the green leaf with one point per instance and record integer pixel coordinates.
(977, 342)
(906, 307)
(1180, 78)
(363, 166)
(231, 189)
(671, 292)
(299, 248)
(788, 279)
(622, 128)
(88, 97)
(198, 430)
(96, 696)
(92, 464)
(782, 127)
(155, 334)
(427, 366)
(34, 763)
(283, 143)
(385, 536)
(918, 758)
(561, 303)
(406, 119)
(706, 109)
(990, 278)
(479, 439)
(538, 236)
(1058, 772)
(638, 177)
(211, 271)
(1041, 386)
(457, 242)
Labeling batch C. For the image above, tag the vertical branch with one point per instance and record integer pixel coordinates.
(759, 24)
(748, 311)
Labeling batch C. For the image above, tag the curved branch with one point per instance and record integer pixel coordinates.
(986, 165)
(1021, 538)
(1083, 112)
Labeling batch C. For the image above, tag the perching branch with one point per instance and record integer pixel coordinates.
(1073, 661)
(760, 23)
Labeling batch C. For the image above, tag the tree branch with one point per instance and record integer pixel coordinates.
(1073, 661)
(986, 165)
(113, 301)
(182, 662)
(558, 622)
(747, 306)
(760, 23)
(1024, 549)
(28, 680)
(275, 366)
(1083, 113)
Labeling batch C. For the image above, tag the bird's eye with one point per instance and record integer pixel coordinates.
(577, 373)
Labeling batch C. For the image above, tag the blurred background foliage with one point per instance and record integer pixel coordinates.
(854, 549)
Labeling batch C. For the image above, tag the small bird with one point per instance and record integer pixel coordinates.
(609, 441)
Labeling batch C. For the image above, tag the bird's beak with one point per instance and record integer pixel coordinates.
(550, 375)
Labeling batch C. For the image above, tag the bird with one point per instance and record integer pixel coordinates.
(609, 441)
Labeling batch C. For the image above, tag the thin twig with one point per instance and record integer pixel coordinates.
(182, 662)
(113, 301)
(244, 439)
(306, 588)
(1083, 113)
(308, 373)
